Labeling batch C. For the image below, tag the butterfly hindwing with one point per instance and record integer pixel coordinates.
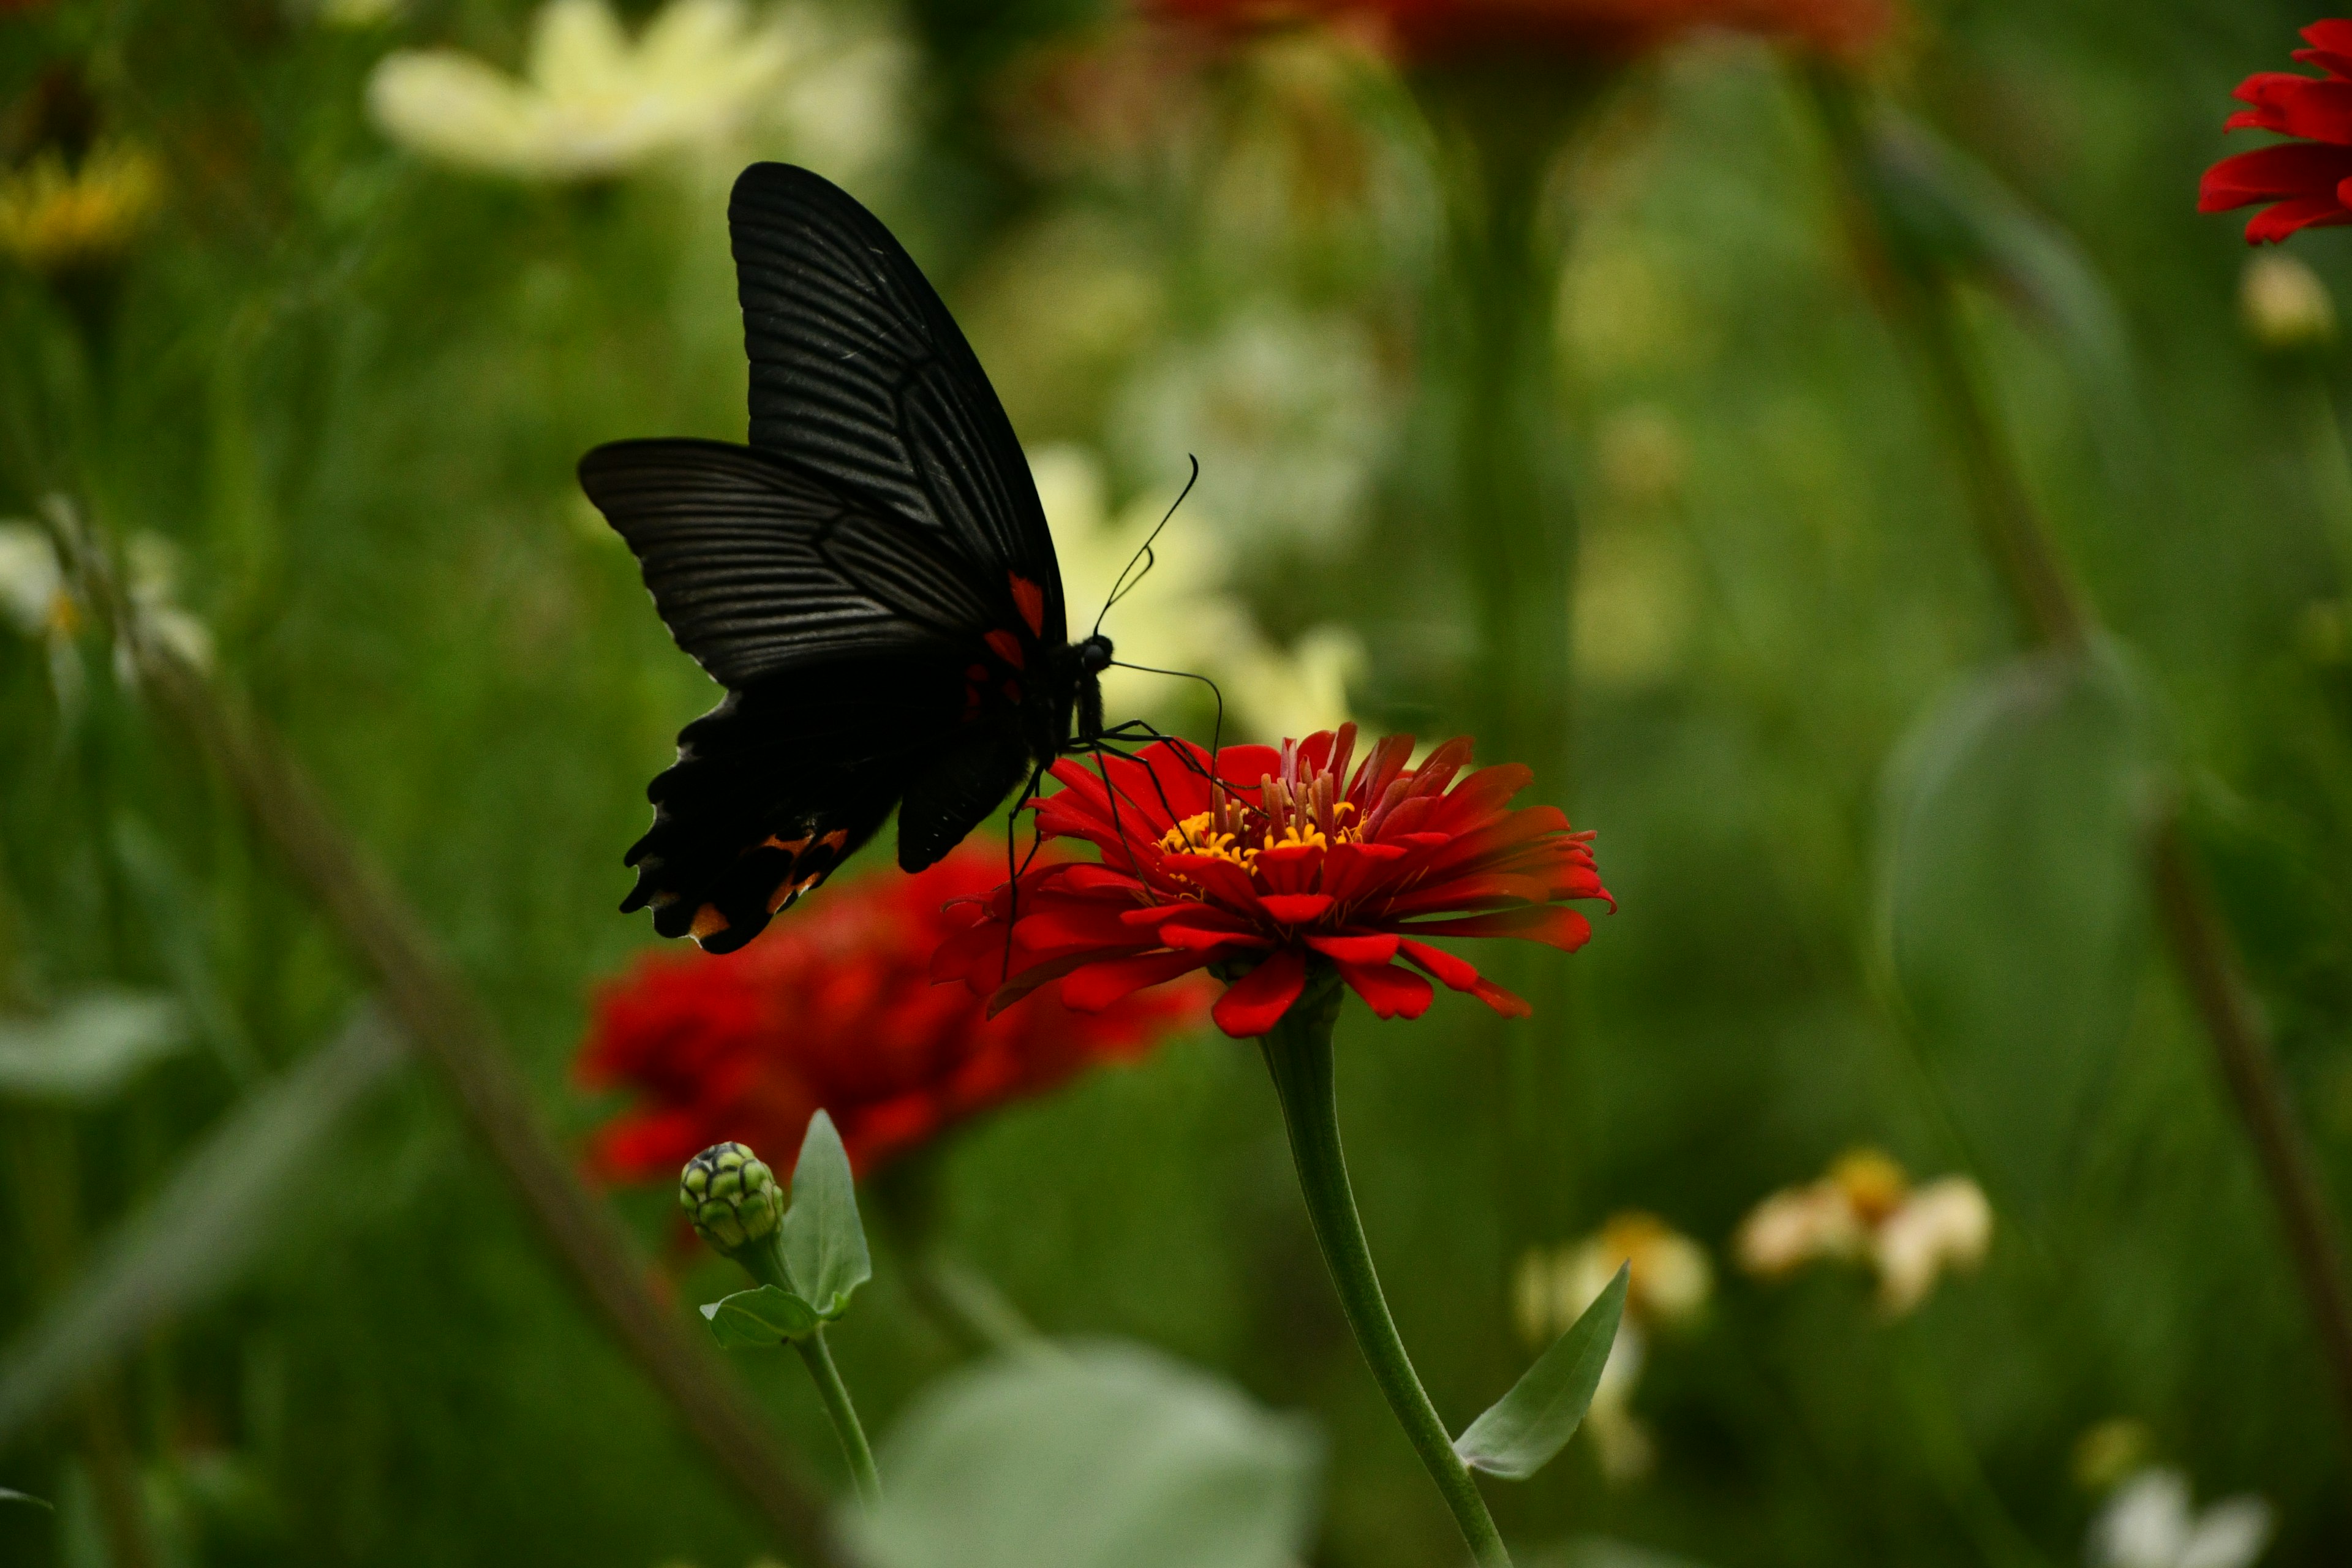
(858, 373)
(780, 783)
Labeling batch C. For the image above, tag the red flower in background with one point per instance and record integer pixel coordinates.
(1456, 30)
(2305, 180)
(1288, 855)
(835, 1009)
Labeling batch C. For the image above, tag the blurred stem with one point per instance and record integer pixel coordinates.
(2331, 467)
(1298, 1056)
(1502, 125)
(962, 1303)
(41, 1157)
(1922, 302)
(817, 1356)
(451, 1029)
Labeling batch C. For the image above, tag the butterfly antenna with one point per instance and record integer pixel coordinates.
(1140, 564)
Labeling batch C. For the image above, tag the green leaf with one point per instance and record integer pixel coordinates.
(8, 1496)
(824, 1245)
(211, 1221)
(1112, 1457)
(90, 1050)
(2014, 918)
(759, 1318)
(1519, 1433)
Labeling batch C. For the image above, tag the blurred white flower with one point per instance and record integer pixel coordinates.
(1288, 414)
(1180, 615)
(2147, 1522)
(152, 579)
(1671, 1280)
(591, 103)
(33, 592)
(37, 599)
(1865, 1207)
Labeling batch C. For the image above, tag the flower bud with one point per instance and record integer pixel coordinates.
(730, 1195)
(2285, 306)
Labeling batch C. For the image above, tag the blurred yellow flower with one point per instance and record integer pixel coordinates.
(59, 216)
(1671, 1280)
(1182, 615)
(591, 104)
(2285, 306)
(1867, 1208)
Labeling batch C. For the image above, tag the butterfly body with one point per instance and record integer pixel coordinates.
(871, 579)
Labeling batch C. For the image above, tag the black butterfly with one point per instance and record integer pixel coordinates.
(871, 579)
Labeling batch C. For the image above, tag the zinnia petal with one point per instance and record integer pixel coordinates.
(1256, 1002)
(1551, 924)
(1389, 991)
(1097, 985)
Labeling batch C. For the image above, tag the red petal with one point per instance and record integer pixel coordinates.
(1097, 985)
(1391, 992)
(2331, 45)
(1552, 925)
(2276, 223)
(2318, 111)
(1375, 948)
(2269, 173)
(1457, 974)
(1295, 909)
(1256, 1002)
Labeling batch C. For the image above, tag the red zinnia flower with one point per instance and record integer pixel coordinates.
(1286, 855)
(2308, 180)
(833, 1010)
(1453, 29)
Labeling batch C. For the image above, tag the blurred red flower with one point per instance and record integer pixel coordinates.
(2307, 180)
(834, 1009)
(1432, 30)
(1288, 855)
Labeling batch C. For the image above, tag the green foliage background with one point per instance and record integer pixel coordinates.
(350, 386)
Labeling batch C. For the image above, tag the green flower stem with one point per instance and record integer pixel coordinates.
(1298, 1055)
(766, 1265)
(817, 1357)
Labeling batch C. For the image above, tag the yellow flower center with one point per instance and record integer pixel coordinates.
(1225, 836)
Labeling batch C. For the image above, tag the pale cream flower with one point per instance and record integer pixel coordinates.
(1180, 615)
(2148, 1523)
(58, 216)
(1671, 1281)
(2284, 305)
(1865, 1207)
(591, 103)
(1946, 1225)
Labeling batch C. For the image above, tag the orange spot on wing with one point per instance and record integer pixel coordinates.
(1006, 647)
(1031, 598)
(792, 847)
(836, 839)
(707, 923)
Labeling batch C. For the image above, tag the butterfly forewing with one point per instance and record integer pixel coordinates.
(860, 373)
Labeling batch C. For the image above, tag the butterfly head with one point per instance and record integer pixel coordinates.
(1092, 657)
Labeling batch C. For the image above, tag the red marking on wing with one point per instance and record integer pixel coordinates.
(1006, 647)
(1032, 600)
